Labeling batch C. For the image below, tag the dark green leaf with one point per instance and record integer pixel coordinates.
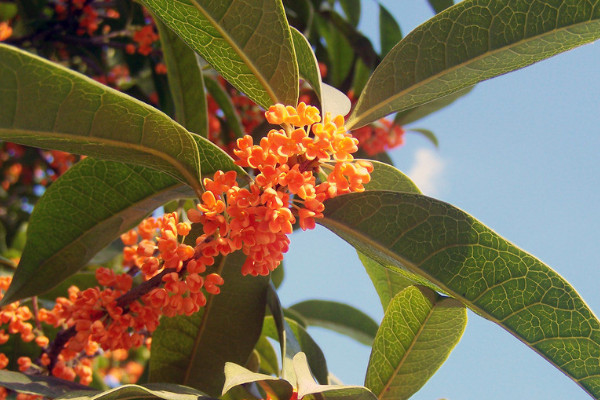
(310, 390)
(85, 210)
(248, 42)
(338, 317)
(167, 391)
(307, 62)
(221, 97)
(236, 375)
(185, 82)
(440, 5)
(339, 51)
(422, 328)
(352, 10)
(473, 41)
(278, 275)
(45, 105)
(193, 350)
(468, 261)
(427, 134)
(361, 76)
(387, 177)
(414, 114)
(42, 385)
(268, 356)
(389, 30)
(387, 283)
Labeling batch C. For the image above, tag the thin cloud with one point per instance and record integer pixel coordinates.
(427, 171)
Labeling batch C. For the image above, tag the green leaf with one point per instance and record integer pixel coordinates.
(361, 76)
(268, 357)
(387, 283)
(473, 41)
(193, 350)
(339, 51)
(167, 391)
(248, 42)
(43, 385)
(45, 105)
(221, 97)
(389, 30)
(277, 275)
(338, 317)
(468, 261)
(427, 134)
(440, 5)
(307, 62)
(310, 390)
(81, 213)
(185, 82)
(422, 328)
(388, 177)
(298, 340)
(236, 375)
(352, 10)
(414, 114)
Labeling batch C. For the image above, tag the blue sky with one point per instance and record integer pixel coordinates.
(520, 154)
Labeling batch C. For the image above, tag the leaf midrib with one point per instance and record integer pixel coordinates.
(354, 119)
(191, 180)
(239, 52)
(407, 352)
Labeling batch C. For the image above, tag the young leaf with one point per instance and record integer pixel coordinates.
(422, 328)
(389, 30)
(387, 177)
(46, 105)
(81, 213)
(167, 391)
(468, 261)
(43, 385)
(387, 283)
(276, 388)
(185, 82)
(249, 43)
(307, 62)
(338, 317)
(440, 5)
(191, 350)
(473, 41)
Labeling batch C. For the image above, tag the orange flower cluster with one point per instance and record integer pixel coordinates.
(5, 31)
(379, 136)
(144, 37)
(257, 220)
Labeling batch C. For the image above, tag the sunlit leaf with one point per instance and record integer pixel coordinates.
(236, 375)
(185, 82)
(334, 101)
(461, 257)
(473, 41)
(387, 177)
(387, 283)
(85, 210)
(307, 62)
(192, 351)
(338, 317)
(45, 105)
(389, 30)
(167, 391)
(417, 334)
(248, 42)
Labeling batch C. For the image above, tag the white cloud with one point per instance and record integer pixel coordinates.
(427, 171)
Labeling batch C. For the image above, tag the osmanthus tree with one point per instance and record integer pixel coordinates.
(197, 283)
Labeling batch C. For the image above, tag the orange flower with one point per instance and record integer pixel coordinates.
(5, 31)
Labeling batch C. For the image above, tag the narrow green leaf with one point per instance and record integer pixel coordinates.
(298, 340)
(85, 210)
(361, 76)
(387, 283)
(185, 82)
(278, 275)
(473, 41)
(339, 51)
(440, 5)
(389, 30)
(192, 351)
(45, 105)
(268, 356)
(309, 389)
(42, 385)
(414, 114)
(236, 375)
(468, 261)
(388, 177)
(221, 97)
(307, 62)
(427, 134)
(338, 317)
(248, 42)
(422, 328)
(167, 391)
(352, 10)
